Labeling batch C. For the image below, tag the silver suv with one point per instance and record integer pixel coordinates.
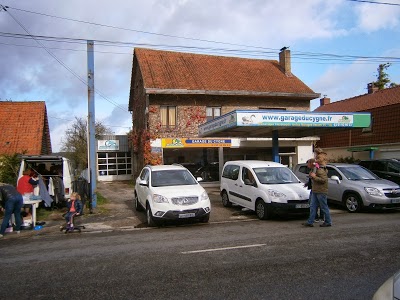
(356, 187)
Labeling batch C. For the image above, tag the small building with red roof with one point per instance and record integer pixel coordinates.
(380, 140)
(24, 128)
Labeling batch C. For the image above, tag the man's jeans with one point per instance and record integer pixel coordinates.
(12, 206)
(321, 200)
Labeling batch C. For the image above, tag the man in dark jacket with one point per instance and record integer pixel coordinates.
(12, 202)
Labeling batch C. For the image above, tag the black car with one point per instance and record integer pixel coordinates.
(384, 168)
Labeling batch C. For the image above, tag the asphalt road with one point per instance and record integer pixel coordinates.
(240, 259)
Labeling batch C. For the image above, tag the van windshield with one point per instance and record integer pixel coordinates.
(275, 175)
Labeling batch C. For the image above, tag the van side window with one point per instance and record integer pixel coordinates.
(231, 172)
(247, 177)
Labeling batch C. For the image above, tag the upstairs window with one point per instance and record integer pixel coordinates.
(212, 113)
(168, 116)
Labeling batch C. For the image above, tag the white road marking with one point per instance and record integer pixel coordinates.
(223, 249)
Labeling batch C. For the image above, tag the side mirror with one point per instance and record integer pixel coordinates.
(199, 178)
(335, 178)
(143, 182)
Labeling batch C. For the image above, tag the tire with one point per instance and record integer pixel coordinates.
(138, 206)
(262, 210)
(205, 219)
(149, 217)
(225, 199)
(353, 203)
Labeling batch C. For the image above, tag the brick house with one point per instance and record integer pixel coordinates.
(381, 140)
(24, 128)
(172, 93)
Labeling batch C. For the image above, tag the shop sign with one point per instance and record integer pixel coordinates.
(108, 145)
(195, 143)
(265, 118)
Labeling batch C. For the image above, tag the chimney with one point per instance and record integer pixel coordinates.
(372, 88)
(324, 101)
(284, 61)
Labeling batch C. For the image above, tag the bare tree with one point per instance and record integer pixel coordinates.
(75, 143)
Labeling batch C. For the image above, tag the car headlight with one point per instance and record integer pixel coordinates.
(373, 191)
(204, 196)
(275, 194)
(159, 198)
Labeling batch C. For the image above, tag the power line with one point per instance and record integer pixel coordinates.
(138, 31)
(58, 60)
(253, 53)
(374, 2)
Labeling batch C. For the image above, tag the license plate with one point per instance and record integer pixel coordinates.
(189, 215)
(395, 200)
(305, 205)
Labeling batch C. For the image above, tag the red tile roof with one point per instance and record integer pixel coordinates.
(365, 102)
(24, 127)
(177, 70)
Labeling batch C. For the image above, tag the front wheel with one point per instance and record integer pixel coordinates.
(262, 210)
(205, 219)
(150, 218)
(138, 206)
(353, 203)
(225, 200)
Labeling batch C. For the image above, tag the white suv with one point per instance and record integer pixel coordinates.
(265, 187)
(170, 192)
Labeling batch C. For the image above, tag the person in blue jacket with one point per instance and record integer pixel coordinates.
(12, 202)
(75, 208)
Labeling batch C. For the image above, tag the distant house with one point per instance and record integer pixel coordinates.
(381, 140)
(24, 128)
(172, 93)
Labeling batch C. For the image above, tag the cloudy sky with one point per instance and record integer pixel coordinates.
(336, 46)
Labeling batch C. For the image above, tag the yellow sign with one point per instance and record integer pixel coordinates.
(195, 143)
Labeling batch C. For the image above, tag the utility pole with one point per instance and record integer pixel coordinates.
(91, 124)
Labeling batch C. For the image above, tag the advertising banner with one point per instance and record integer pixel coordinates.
(194, 143)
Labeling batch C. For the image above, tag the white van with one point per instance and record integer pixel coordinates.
(56, 173)
(266, 187)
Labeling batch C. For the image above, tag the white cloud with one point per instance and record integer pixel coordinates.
(375, 17)
(340, 82)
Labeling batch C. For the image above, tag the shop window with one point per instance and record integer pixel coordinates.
(212, 113)
(168, 116)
